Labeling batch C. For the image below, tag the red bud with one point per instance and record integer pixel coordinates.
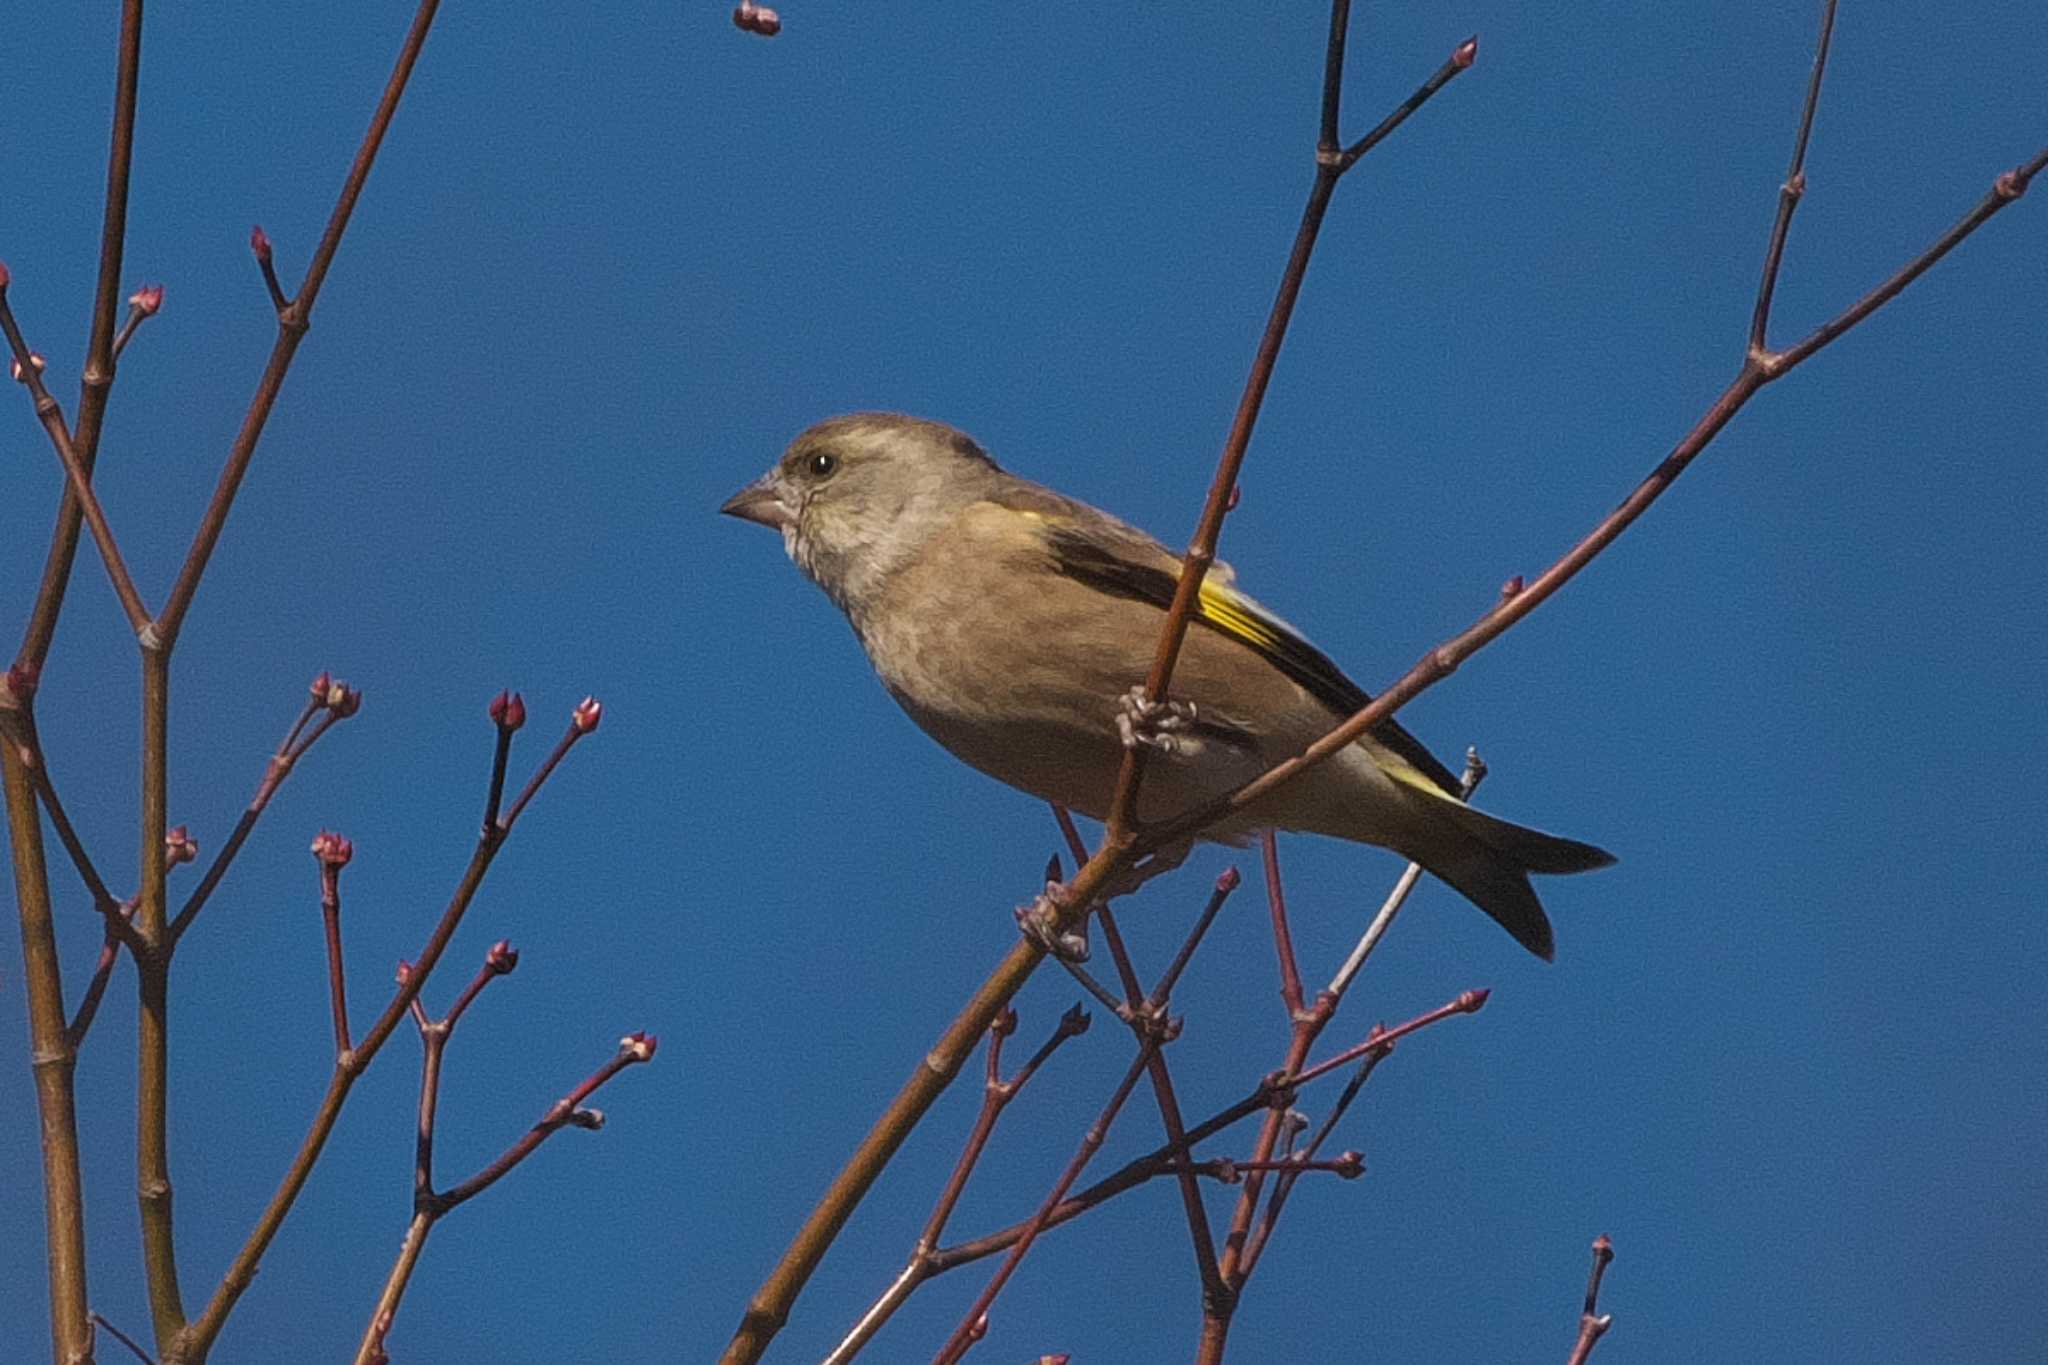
(587, 714)
(1467, 53)
(404, 972)
(332, 850)
(147, 299)
(757, 19)
(1227, 880)
(321, 684)
(5, 277)
(508, 710)
(502, 957)
(641, 1045)
(259, 242)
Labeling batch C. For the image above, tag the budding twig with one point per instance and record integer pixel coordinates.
(1593, 1324)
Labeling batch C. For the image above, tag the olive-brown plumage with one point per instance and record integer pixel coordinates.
(1009, 621)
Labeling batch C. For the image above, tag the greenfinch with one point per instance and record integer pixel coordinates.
(1012, 623)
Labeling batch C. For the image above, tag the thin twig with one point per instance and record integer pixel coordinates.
(1475, 773)
(1794, 187)
(333, 702)
(1091, 1142)
(198, 1339)
(1593, 1324)
(292, 323)
(51, 414)
(996, 1096)
(122, 1337)
(97, 379)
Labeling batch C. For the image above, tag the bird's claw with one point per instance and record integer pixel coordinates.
(1160, 725)
(1036, 920)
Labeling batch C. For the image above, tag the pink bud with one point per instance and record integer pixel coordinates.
(332, 850)
(502, 957)
(1467, 53)
(588, 713)
(1227, 881)
(757, 19)
(1349, 1165)
(1230, 503)
(179, 846)
(350, 703)
(321, 684)
(404, 972)
(1471, 1001)
(508, 709)
(5, 277)
(641, 1045)
(147, 299)
(259, 242)
(1512, 588)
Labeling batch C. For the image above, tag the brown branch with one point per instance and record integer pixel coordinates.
(97, 380)
(434, 1036)
(1091, 1142)
(194, 1343)
(292, 323)
(769, 1307)
(51, 414)
(996, 1095)
(53, 1061)
(1332, 162)
(1794, 187)
(1439, 663)
(1283, 941)
(152, 1050)
(333, 851)
(333, 702)
(96, 987)
(1593, 1324)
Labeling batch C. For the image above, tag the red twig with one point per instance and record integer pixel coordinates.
(996, 1095)
(1593, 1324)
(430, 1207)
(327, 698)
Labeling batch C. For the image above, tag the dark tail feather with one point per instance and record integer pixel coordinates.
(1491, 863)
(1502, 891)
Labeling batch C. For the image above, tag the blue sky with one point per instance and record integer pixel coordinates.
(1790, 1056)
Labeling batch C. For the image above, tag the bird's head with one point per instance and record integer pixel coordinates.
(856, 497)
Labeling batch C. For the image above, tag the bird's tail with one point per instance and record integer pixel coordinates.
(1488, 861)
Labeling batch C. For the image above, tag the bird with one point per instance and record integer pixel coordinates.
(1011, 621)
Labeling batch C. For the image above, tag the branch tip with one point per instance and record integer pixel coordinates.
(753, 18)
(147, 300)
(1471, 1002)
(1466, 53)
(502, 958)
(334, 851)
(1228, 880)
(1075, 1021)
(638, 1047)
(508, 710)
(587, 714)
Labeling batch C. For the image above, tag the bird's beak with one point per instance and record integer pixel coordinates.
(759, 502)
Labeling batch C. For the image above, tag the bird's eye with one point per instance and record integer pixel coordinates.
(823, 464)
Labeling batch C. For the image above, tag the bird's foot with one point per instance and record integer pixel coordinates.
(1036, 922)
(1161, 725)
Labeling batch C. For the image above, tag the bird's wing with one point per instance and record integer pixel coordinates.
(1111, 556)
